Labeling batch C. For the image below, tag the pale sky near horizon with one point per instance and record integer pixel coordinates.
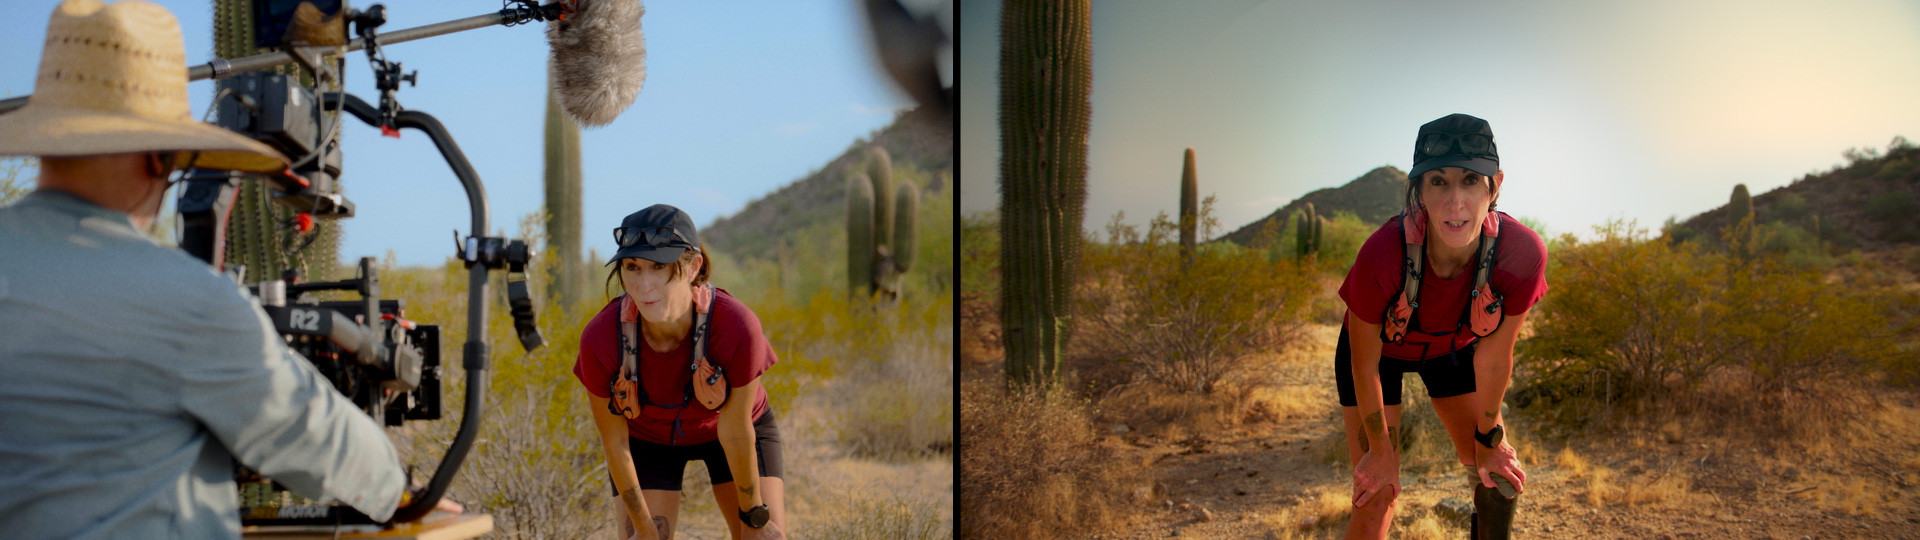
(1640, 109)
(740, 99)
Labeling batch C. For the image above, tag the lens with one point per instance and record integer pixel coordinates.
(1476, 144)
(1436, 144)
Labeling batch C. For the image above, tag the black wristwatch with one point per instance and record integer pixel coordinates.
(1492, 438)
(756, 517)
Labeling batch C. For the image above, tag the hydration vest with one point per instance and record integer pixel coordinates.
(1482, 316)
(708, 383)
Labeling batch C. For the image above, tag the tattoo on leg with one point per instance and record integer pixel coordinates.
(1392, 438)
(746, 488)
(660, 524)
(1375, 425)
(1364, 446)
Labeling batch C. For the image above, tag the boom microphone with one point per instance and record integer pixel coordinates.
(599, 59)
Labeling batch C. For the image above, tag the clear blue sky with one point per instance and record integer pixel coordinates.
(740, 99)
(1638, 109)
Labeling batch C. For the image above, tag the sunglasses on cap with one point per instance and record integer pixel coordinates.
(1440, 144)
(652, 236)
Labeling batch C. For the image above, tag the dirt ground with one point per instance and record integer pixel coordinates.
(1277, 470)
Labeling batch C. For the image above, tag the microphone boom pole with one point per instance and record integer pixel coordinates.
(221, 68)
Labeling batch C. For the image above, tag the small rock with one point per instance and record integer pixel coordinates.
(1192, 481)
(1240, 492)
(1253, 516)
(1309, 522)
(1547, 529)
(1121, 428)
(1454, 509)
(1185, 507)
(1203, 515)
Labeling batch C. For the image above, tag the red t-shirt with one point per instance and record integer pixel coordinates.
(1519, 275)
(734, 342)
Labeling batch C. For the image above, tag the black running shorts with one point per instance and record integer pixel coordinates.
(1447, 374)
(661, 467)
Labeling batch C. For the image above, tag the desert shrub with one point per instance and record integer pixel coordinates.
(1787, 207)
(1792, 245)
(1893, 206)
(980, 255)
(16, 178)
(1187, 325)
(1652, 324)
(1030, 467)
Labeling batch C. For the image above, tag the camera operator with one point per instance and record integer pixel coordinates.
(132, 376)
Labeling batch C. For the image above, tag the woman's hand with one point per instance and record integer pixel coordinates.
(770, 532)
(1377, 474)
(1502, 461)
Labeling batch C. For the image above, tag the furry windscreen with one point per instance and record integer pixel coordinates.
(599, 59)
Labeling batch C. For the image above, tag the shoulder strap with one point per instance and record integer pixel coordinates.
(1399, 315)
(1484, 307)
(709, 381)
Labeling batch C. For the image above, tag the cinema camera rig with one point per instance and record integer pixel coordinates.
(388, 365)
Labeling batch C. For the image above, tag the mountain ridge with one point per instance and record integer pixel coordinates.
(1373, 197)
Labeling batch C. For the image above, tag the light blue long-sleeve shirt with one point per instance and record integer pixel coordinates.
(132, 376)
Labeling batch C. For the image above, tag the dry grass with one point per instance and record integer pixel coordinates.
(1854, 497)
(1031, 467)
(1320, 513)
(1575, 466)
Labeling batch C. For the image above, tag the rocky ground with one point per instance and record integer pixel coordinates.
(1278, 471)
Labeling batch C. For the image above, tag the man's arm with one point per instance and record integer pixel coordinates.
(277, 415)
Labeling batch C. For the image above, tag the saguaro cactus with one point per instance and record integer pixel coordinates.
(1046, 78)
(562, 175)
(1307, 225)
(1819, 243)
(881, 228)
(1189, 208)
(255, 230)
(1740, 225)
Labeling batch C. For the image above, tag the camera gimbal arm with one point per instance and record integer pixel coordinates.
(481, 254)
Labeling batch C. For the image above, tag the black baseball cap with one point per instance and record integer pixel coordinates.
(659, 233)
(1455, 140)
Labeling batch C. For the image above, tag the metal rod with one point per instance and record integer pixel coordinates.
(221, 68)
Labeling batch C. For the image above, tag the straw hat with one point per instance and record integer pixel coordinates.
(113, 80)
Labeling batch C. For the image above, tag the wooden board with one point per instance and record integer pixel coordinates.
(437, 526)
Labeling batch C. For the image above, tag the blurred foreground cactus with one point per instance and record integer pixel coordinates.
(1046, 78)
(881, 233)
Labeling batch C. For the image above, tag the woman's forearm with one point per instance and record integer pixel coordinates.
(737, 440)
(626, 482)
(1493, 372)
(1364, 340)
